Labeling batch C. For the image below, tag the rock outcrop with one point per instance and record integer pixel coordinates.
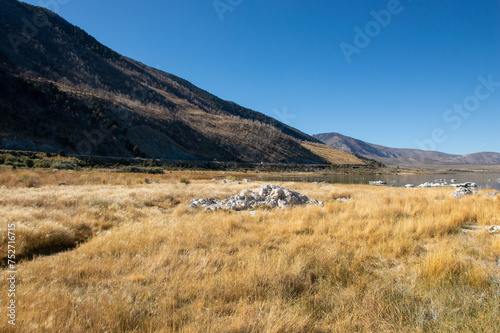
(265, 196)
(493, 229)
(461, 192)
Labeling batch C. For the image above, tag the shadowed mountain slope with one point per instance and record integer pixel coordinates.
(61, 89)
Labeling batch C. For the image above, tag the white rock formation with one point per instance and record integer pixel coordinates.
(462, 191)
(267, 195)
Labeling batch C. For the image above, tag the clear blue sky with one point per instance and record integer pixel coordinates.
(284, 58)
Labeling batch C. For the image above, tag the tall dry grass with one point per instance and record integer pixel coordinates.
(388, 260)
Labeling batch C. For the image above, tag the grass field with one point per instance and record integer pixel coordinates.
(127, 254)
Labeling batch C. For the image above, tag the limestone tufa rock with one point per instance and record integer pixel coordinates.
(267, 195)
(494, 229)
(462, 191)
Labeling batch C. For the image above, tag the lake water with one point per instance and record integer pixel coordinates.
(483, 180)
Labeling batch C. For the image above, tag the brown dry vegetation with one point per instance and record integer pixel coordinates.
(389, 259)
(332, 155)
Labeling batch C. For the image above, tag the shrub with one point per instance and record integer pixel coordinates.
(29, 163)
(41, 163)
(134, 169)
(14, 165)
(10, 160)
(29, 179)
(64, 165)
(184, 181)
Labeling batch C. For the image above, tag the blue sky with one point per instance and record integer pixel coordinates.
(325, 66)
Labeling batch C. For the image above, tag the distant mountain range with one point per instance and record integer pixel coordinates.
(404, 157)
(62, 89)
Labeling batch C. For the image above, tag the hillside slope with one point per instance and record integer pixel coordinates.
(398, 156)
(61, 89)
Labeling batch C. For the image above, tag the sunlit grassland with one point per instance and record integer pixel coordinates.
(136, 258)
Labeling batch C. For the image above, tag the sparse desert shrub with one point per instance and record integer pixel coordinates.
(29, 163)
(184, 181)
(29, 179)
(64, 165)
(10, 160)
(39, 163)
(148, 170)
(14, 162)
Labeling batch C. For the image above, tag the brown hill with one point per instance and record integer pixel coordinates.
(404, 157)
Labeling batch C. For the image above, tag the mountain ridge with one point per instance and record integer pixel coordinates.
(404, 156)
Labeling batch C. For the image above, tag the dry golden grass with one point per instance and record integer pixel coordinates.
(388, 260)
(332, 155)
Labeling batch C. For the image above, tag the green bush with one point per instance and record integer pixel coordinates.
(29, 162)
(10, 160)
(134, 169)
(64, 165)
(38, 163)
(14, 164)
